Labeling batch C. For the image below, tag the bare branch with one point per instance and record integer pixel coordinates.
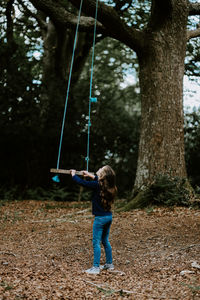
(7, 253)
(193, 33)
(62, 17)
(109, 22)
(115, 27)
(194, 9)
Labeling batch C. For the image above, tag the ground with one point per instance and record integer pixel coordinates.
(45, 246)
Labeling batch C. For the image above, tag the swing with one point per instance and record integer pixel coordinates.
(91, 100)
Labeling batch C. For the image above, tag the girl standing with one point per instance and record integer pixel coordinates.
(104, 191)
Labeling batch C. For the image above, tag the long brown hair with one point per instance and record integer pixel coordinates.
(108, 189)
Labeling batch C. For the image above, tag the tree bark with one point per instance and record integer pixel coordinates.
(161, 146)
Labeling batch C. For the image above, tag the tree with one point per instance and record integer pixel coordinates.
(155, 40)
(27, 151)
(161, 48)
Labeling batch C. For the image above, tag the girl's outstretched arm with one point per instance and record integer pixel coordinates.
(90, 184)
(84, 173)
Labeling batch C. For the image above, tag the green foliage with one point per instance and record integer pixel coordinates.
(39, 193)
(19, 109)
(192, 60)
(59, 194)
(168, 191)
(54, 193)
(195, 288)
(6, 286)
(9, 194)
(136, 13)
(192, 146)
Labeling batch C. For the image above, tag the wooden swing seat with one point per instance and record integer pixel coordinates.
(63, 171)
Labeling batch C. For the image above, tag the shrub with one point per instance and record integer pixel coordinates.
(163, 191)
(168, 191)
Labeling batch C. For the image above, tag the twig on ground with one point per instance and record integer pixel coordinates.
(107, 289)
(8, 253)
(190, 246)
(117, 272)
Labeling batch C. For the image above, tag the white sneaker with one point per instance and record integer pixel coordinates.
(107, 267)
(93, 270)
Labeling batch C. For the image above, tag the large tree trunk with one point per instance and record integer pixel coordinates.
(161, 147)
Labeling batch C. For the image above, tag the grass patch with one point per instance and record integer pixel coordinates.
(195, 289)
(6, 286)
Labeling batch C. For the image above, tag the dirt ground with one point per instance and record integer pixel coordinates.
(45, 247)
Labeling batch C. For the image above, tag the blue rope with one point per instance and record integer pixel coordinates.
(68, 87)
(90, 97)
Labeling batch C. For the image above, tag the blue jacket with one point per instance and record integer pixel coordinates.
(97, 208)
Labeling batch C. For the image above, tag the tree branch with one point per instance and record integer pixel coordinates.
(115, 27)
(193, 33)
(109, 22)
(194, 9)
(62, 17)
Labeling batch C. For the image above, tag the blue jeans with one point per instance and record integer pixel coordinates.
(101, 229)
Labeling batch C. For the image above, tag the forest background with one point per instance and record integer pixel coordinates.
(30, 137)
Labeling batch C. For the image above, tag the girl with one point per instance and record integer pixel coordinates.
(104, 192)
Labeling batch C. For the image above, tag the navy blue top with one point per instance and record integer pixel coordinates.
(97, 208)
